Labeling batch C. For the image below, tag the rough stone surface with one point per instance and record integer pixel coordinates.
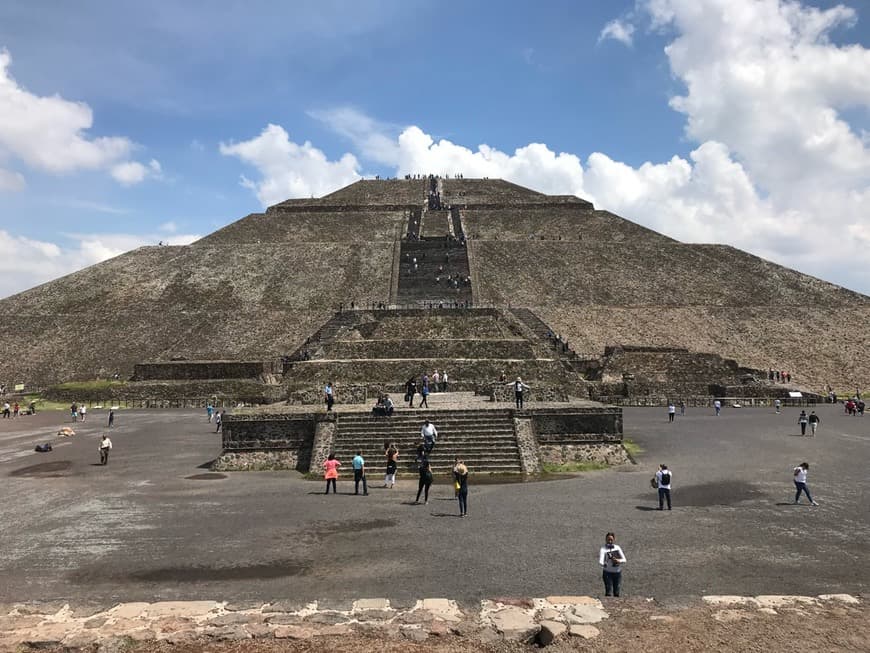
(583, 630)
(371, 604)
(293, 632)
(586, 614)
(515, 623)
(550, 632)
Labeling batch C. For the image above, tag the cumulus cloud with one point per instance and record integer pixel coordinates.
(288, 169)
(49, 134)
(25, 262)
(618, 30)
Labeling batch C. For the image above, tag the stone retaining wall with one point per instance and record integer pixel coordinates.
(419, 347)
(607, 453)
(204, 370)
(172, 394)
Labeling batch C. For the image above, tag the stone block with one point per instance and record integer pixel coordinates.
(374, 615)
(371, 604)
(586, 614)
(142, 635)
(583, 630)
(79, 639)
(234, 618)
(129, 610)
(414, 634)
(573, 600)
(243, 606)
(339, 605)
(96, 622)
(779, 601)
(229, 633)
(550, 632)
(20, 623)
(443, 609)
(284, 619)
(285, 605)
(293, 632)
(334, 631)
(259, 630)
(181, 608)
(326, 618)
(515, 623)
(550, 614)
(843, 598)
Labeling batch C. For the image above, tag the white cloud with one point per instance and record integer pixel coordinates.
(288, 169)
(618, 30)
(48, 133)
(129, 173)
(25, 262)
(11, 181)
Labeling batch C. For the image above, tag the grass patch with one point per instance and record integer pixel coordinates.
(552, 468)
(632, 447)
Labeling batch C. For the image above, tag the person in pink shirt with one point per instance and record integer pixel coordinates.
(331, 466)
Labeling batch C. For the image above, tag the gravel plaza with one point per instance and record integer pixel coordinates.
(155, 524)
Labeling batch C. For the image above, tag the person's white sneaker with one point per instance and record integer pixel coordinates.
(814, 503)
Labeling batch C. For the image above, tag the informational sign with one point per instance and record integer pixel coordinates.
(795, 395)
(19, 387)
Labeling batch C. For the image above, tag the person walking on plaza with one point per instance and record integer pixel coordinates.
(460, 475)
(814, 423)
(359, 474)
(74, 412)
(209, 411)
(518, 387)
(429, 434)
(329, 396)
(803, 420)
(663, 483)
(111, 418)
(444, 381)
(672, 411)
(105, 448)
(83, 411)
(800, 483)
(391, 451)
(436, 381)
(410, 391)
(717, 405)
(330, 467)
(611, 558)
(425, 480)
(219, 420)
(777, 404)
(682, 408)
(424, 393)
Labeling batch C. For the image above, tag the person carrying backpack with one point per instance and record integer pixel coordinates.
(663, 483)
(814, 422)
(803, 420)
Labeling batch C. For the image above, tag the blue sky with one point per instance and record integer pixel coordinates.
(407, 86)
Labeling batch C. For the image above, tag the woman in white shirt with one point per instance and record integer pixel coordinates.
(611, 558)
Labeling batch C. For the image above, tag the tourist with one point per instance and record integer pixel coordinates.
(410, 391)
(803, 420)
(814, 423)
(83, 411)
(611, 558)
(800, 483)
(717, 405)
(331, 465)
(7, 410)
(425, 481)
(456, 463)
(359, 473)
(424, 392)
(105, 448)
(16, 409)
(518, 387)
(682, 408)
(209, 411)
(663, 483)
(444, 381)
(389, 407)
(112, 418)
(777, 404)
(428, 433)
(74, 412)
(391, 452)
(329, 396)
(672, 411)
(460, 474)
(436, 381)
(219, 420)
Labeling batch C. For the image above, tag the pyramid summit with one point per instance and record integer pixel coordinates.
(520, 264)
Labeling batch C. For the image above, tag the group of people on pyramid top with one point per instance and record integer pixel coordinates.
(779, 377)
(438, 382)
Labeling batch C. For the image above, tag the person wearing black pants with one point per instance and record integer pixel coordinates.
(611, 559)
(460, 473)
(425, 480)
(663, 483)
(518, 386)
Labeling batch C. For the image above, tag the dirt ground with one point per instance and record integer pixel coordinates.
(630, 629)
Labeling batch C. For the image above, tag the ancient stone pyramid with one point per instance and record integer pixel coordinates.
(257, 288)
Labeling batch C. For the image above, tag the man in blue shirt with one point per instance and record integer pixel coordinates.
(359, 473)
